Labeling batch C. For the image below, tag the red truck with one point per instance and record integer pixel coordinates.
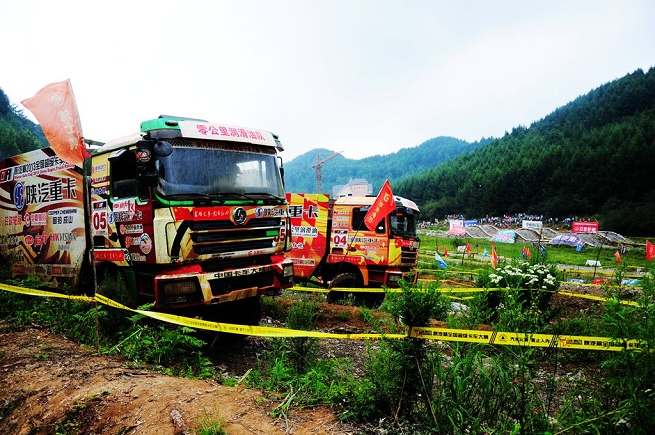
(333, 248)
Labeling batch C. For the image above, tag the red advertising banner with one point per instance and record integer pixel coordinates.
(584, 227)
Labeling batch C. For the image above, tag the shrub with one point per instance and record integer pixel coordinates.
(401, 374)
(537, 283)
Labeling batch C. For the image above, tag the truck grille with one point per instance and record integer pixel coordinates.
(409, 257)
(216, 237)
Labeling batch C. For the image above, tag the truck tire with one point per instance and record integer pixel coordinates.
(251, 310)
(343, 280)
(113, 284)
(369, 300)
(246, 311)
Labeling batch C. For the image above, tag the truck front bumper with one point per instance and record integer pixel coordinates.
(190, 285)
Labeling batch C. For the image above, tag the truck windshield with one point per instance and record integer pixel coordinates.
(219, 171)
(403, 222)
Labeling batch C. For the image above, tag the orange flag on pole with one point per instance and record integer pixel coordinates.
(618, 256)
(494, 256)
(383, 205)
(55, 109)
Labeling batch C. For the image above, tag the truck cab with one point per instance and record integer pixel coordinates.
(331, 245)
(191, 212)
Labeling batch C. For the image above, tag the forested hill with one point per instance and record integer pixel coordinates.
(17, 133)
(301, 177)
(594, 157)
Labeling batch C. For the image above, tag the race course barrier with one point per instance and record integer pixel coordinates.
(429, 333)
(452, 290)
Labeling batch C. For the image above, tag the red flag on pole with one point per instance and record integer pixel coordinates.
(383, 205)
(650, 251)
(55, 109)
(618, 256)
(494, 256)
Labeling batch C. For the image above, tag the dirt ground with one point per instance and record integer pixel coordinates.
(50, 385)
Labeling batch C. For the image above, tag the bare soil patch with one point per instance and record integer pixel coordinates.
(49, 385)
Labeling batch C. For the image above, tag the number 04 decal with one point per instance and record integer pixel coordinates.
(340, 238)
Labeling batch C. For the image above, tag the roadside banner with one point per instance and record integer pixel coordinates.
(439, 260)
(504, 236)
(566, 239)
(584, 227)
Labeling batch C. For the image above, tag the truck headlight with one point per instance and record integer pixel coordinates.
(288, 270)
(178, 287)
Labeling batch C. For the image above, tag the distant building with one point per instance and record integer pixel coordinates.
(355, 187)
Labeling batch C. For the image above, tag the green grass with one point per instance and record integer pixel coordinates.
(635, 257)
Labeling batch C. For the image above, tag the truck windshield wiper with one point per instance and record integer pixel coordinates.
(188, 196)
(223, 196)
(267, 196)
(195, 197)
(251, 196)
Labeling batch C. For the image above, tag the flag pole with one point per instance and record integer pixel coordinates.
(596, 263)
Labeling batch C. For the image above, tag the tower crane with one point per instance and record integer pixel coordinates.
(319, 163)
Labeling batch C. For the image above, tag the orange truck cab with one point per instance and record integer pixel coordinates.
(333, 248)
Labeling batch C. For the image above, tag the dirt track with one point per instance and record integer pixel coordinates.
(51, 385)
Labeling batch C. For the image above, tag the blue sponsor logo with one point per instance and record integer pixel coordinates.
(19, 196)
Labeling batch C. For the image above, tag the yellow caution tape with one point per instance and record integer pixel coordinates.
(388, 290)
(443, 334)
(524, 339)
(454, 290)
(595, 298)
(260, 331)
(34, 292)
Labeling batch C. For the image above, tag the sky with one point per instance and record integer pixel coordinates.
(361, 77)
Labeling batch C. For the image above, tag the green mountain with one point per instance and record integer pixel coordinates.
(591, 158)
(301, 177)
(17, 133)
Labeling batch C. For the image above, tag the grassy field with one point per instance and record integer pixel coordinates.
(571, 263)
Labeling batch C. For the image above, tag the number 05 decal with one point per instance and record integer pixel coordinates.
(99, 218)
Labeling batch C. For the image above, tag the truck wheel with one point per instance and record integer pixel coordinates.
(369, 300)
(246, 311)
(343, 280)
(112, 284)
(372, 300)
(252, 310)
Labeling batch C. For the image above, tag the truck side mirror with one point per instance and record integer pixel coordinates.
(163, 148)
(148, 180)
(281, 167)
